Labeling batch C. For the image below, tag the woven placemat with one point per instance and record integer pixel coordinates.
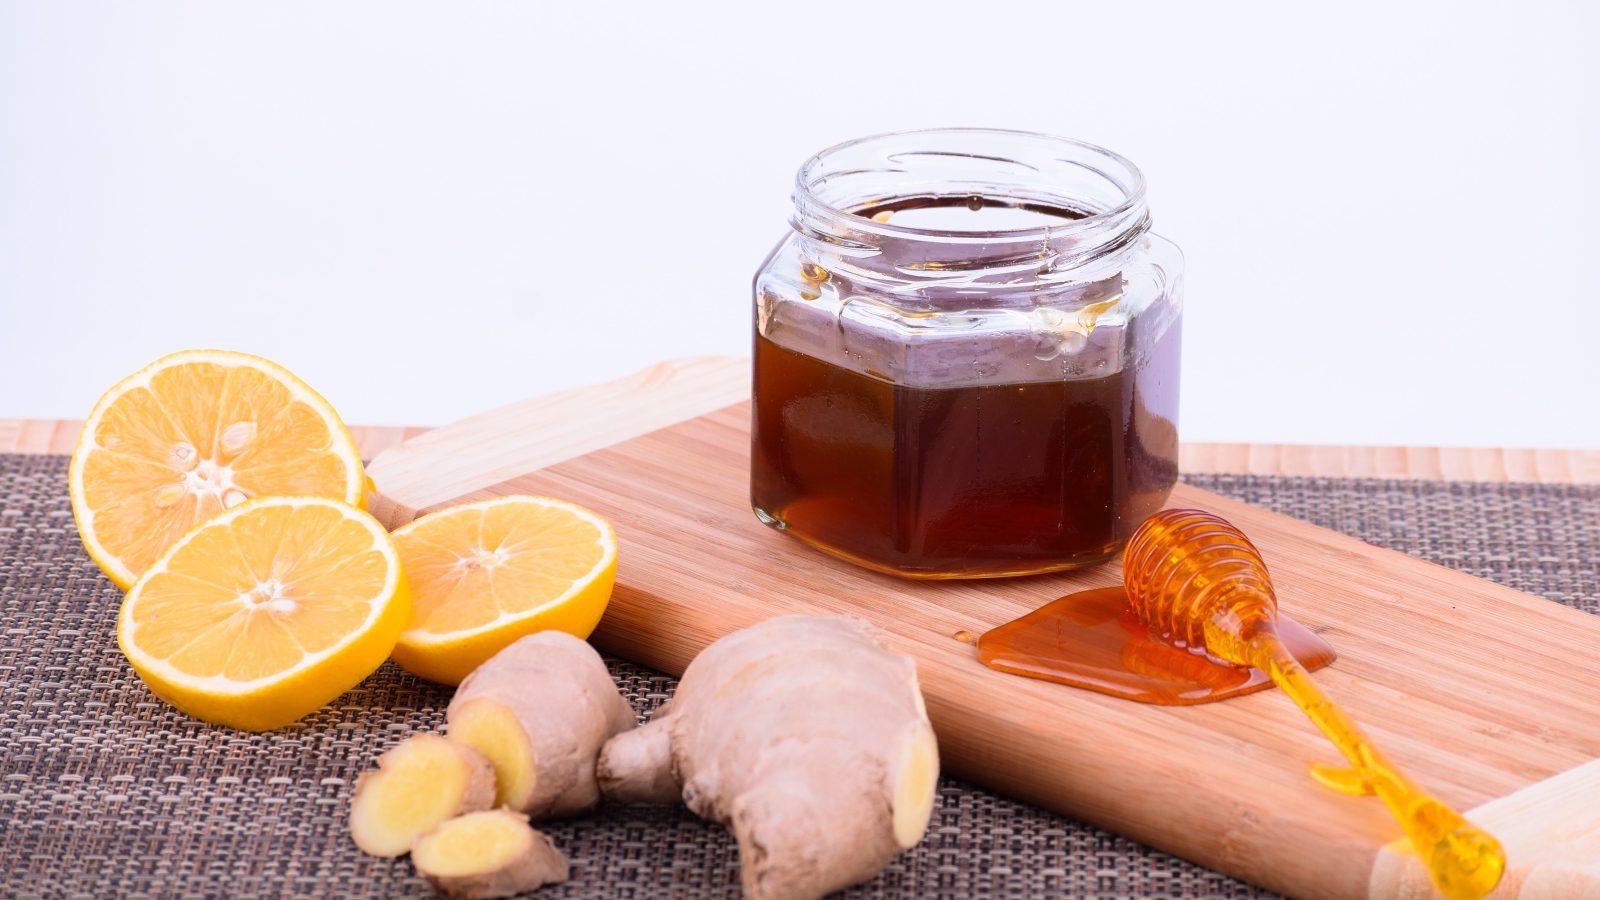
(105, 791)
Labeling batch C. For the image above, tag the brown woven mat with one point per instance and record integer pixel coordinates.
(106, 791)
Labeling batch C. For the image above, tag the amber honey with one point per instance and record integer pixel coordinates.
(1094, 640)
(978, 480)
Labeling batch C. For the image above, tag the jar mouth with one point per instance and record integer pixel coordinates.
(1104, 190)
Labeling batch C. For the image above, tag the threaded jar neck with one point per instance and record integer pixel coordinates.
(1070, 208)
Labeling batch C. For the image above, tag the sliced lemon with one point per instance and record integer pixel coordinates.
(195, 433)
(266, 612)
(484, 574)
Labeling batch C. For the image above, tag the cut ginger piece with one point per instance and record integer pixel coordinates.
(267, 612)
(540, 710)
(193, 434)
(487, 854)
(484, 574)
(423, 781)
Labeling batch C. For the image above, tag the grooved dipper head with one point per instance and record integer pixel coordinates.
(1192, 577)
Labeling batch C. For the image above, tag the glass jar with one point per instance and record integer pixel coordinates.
(966, 356)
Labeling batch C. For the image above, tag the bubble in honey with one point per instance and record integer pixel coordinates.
(974, 203)
(1055, 334)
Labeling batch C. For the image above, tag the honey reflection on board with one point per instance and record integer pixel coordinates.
(1093, 640)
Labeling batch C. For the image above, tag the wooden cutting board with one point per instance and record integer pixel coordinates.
(1478, 691)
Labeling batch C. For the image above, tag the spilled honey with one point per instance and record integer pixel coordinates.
(1093, 640)
(1197, 619)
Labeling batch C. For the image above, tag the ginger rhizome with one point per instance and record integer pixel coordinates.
(540, 710)
(806, 738)
(423, 781)
(487, 854)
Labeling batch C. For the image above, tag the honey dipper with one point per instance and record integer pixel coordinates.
(1192, 577)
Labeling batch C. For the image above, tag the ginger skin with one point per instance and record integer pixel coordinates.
(540, 710)
(803, 736)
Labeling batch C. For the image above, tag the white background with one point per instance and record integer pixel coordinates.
(1388, 209)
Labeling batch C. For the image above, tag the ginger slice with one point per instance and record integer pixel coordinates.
(540, 710)
(487, 854)
(915, 785)
(423, 781)
(806, 738)
(494, 730)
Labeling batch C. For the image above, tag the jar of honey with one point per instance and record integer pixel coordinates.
(966, 356)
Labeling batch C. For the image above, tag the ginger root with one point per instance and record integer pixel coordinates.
(487, 854)
(540, 710)
(806, 738)
(420, 783)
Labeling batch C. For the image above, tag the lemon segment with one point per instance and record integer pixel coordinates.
(193, 434)
(484, 574)
(267, 612)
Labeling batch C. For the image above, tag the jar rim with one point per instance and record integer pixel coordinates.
(806, 182)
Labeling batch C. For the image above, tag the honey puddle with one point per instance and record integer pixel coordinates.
(1093, 640)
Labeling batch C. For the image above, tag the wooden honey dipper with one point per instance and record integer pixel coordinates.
(1192, 577)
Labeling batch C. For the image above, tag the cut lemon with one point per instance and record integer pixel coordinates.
(266, 612)
(484, 574)
(193, 434)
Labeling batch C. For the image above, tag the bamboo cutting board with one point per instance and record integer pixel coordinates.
(1482, 693)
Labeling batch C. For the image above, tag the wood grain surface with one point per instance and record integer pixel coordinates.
(541, 431)
(1477, 690)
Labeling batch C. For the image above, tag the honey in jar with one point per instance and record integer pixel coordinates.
(966, 356)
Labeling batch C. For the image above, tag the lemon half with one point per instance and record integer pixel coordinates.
(484, 574)
(195, 433)
(267, 612)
